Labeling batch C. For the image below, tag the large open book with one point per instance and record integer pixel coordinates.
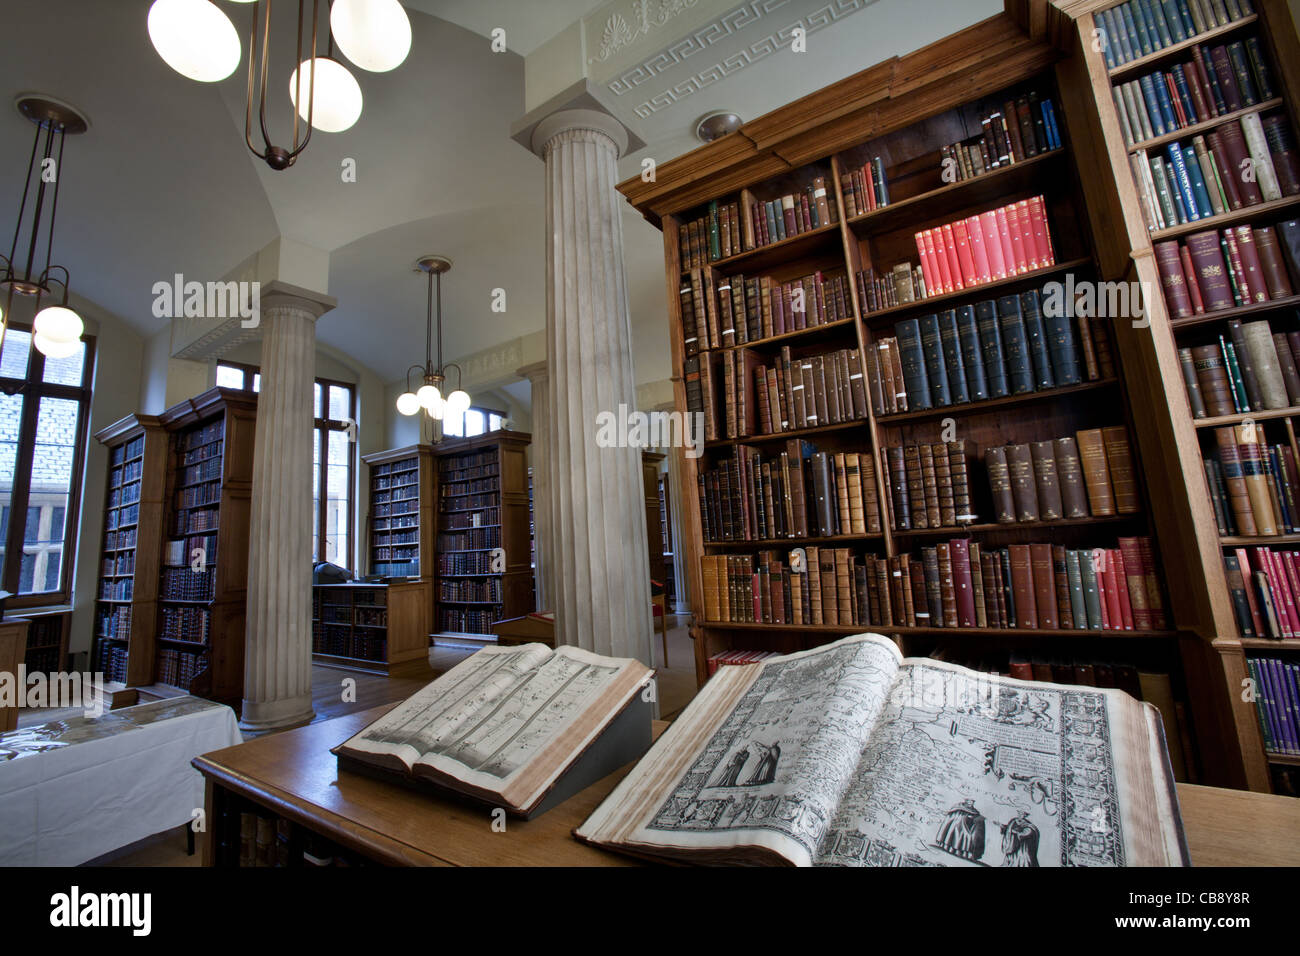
(505, 724)
(850, 755)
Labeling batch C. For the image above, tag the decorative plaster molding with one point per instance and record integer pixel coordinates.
(723, 28)
(619, 34)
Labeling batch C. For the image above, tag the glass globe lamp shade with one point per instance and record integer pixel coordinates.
(408, 404)
(373, 34)
(429, 396)
(59, 324)
(458, 402)
(338, 96)
(54, 348)
(195, 38)
(437, 409)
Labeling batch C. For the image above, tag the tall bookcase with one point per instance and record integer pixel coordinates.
(483, 505)
(1116, 208)
(126, 609)
(204, 574)
(401, 512)
(906, 111)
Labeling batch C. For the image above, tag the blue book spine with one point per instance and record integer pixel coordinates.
(1275, 476)
(995, 363)
(1122, 37)
(1053, 131)
(1261, 711)
(1101, 21)
(1154, 111)
(1185, 94)
(1060, 344)
(1189, 24)
(1137, 34)
(1286, 716)
(1174, 20)
(912, 361)
(972, 353)
(935, 367)
(953, 360)
(1161, 89)
(1015, 345)
(1160, 36)
(1291, 675)
(1184, 181)
(1197, 176)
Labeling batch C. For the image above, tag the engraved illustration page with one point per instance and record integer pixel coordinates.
(754, 767)
(971, 769)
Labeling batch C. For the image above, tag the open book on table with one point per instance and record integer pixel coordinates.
(850, 755)
(504, 724)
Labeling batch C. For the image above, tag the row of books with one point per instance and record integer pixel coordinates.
(737, 657)
(715, 235)
(459, 489)
(719, 311)
(1265, 587)
(468, 519)
(928, 485)
(131, 471)
(1214, 82)
(448, 467)
(120, 539)
(1277, 701)
(1012, 345)
(902, 284)
(196, 438)
(865, 188)
(1240, 164)
(1240, 265)
(793, 214)
(1006, 241)
(1139, 28)
(122, 453)
(114, 621)
(185, 624)
(120, 590)
(1252, 369)
(468, 620)
(486, 590)
(202, 452)
(127, 495)
(798, 493)
(1089, 473)
(955, 584)
(1024, 127)
(183, 584)
(111, 661)
(122, 517)
(472, 563)
(391, 467)
(472, 540)
(1254, 486)
(179, 667)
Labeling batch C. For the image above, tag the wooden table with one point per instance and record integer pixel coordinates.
(294, 774)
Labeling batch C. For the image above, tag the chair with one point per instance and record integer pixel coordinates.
(659, 608)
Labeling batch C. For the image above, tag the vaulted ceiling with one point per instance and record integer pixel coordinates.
(163, 184)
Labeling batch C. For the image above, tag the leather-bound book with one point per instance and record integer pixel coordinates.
(1004, 505)
(1222, 160)
(857, 384)
(1188, 366)
(936, 369)
(953, 360)
(1069, 475)
(1118, 579)
(853, 481)
(1189, 278)
(911, 357)
(1237, 153)
(1155, 603)
(1254, 472)
(1096, 473)
(1024, 489)
(900, 498)
(1022, 586)
(844, 585)
(1074, 582)
(933, 588)
(963, 513)
(845, 524)
(1047, 483)
(1271, 264)
(915, 601)
(1135, 583)
(1044, 575)
(1218, 496)
(943, 485)
(829, 584)
(1251, 263)
(1032, 312)
(1171, 279)
(972, 352)
(824, 494)
(1212, 373)
(1004, 582)
(963, 583)
(990, 337)
(930, 485)
(1092, 601)
(1265, 363)
(1211, 270)
(1234, 479)
(915, 487)
(947, 588)
(870, 494)
(1290, 372)
(992, 596)
(1065, 619)
(1123, 475)
(977, 584)
(1015, 345)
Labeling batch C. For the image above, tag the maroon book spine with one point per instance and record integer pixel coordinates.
(959, 551)
(1171, 279)
(1211, 270)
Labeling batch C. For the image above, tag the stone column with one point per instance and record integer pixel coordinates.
(542, 533)
(676, 469)
(600, 572)
(277, 649)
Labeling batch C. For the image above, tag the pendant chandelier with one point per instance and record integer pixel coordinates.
(57, 329)
(196, 39)
(429, 395)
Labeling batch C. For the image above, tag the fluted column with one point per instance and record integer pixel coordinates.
(277, 648)
(542, 534)
(600, 572)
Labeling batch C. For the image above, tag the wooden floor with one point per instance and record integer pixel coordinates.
(332, 697)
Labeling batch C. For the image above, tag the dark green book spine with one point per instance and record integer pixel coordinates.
(1241, 67)
(972, 355)
(912, 359)
(953, 361)
(1061, 347)
(1091, 596)
(935, 367)
(1234, 375)
(1031, 308)
(1008, 592)
(995, 365)
(933, 588)
(1020, 367)
(1074, 578)
(1260, 68)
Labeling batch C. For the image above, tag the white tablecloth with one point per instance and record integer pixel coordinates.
(105, 782)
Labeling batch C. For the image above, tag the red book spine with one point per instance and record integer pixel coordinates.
(1288, 562)
(961, 581)
(1189, 277)
(1121, 586)
(969, 275)
(1136, 584)
(1025, 216)
(1042, 232)
(1114, 583)
(1099, 570)
(924, 246)
(941, 259)
(975, 234)
(1008, 248)
(869, 185)
(1283, 602)
(950, 250)
(993, 244)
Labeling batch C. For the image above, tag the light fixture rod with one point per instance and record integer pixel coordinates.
(27, 187)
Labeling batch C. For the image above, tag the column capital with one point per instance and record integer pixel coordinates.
(578, 107)
(534, 371)
(279, 294)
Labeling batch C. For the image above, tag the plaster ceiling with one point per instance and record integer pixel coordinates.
(163, 184)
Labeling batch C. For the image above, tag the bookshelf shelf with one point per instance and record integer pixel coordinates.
(775, 253)
(1144, 64)
(1187, 132)
(986, 187)
(1268, 414)
(775, 437)
(376, 627)
(1237, 541)
(1271, 644)
(1013, 527)
(994, 405)
(985, 290)
(1251, 310)
(844, 629)
(1260, 210)
(1286, 760)
(796, 542)
(825, 330)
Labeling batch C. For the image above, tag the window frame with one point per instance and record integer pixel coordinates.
(33, 389)
(487, 414)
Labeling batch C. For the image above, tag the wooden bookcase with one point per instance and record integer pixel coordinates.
(904, 110)
(47, 640)
(650, 462)
(372, 627)
(1217, 651)
(204, 566)
(666, 536)
(483, 504)
(401, 513)
(126, 609)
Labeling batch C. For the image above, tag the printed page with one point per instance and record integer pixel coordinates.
(758, 760)
(969, 769)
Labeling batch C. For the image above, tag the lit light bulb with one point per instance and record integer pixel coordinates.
(429, 396)
(408, 404)
(458, 402)
(437, 409)
(59, 324)
(195, 39)
(53, 348)
(338, 96)
(373, 34)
